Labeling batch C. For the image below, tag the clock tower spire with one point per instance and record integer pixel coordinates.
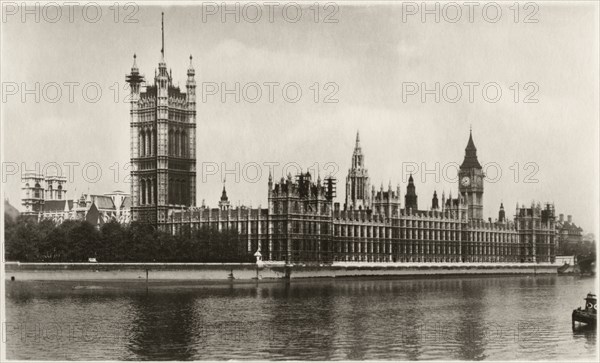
(470, 181)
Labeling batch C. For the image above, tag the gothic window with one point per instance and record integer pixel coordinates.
(37, 191)
(143, 191)
(154, 143)
(179, 190)
(154, 191)
(59, 192)
(177, 145)
(171, 141)
(183, 191)
(175, 191)
(150, 192)
(183, 143)
(142, 143)
(148, 142)
(171, 201)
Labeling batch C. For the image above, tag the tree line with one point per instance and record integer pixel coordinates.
(27, 240)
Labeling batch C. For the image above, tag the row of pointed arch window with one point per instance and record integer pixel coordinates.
(38, 192)
(148, 191)
(178, 143)
(179, 192)
(147, 142)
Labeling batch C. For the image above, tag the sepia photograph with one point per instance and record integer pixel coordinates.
(299, 180)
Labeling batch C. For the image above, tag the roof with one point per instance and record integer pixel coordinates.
(103, 202)
(93, 215)
(470, 161)
(126, 204)
(569, 226)
(56, 205)
(224, 195)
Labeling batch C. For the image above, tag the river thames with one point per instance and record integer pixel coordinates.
(455, 318)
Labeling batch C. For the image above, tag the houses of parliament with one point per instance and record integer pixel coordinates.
(302, 223)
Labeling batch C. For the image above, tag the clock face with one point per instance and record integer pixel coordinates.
(465, 181)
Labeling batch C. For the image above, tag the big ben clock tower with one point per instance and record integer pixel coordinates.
(470, 181)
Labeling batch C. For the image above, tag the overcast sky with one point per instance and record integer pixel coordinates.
(371, 54)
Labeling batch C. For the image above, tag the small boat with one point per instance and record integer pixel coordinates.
(588, 314)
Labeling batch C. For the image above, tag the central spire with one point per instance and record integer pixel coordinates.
(357, 149)
(357, 156)
(162, 28)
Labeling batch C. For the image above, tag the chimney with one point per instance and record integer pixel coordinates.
(570, 218)
(561, 217)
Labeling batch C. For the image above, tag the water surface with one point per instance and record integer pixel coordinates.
(469, 318)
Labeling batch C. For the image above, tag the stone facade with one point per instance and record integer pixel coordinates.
(163, 143)
(302, 224)
(36, 189)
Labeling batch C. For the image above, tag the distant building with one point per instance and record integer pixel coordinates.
(570, 236)
(45, 198)
(36, 189)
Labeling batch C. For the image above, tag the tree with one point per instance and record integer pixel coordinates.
(76, 241)
(112, 242)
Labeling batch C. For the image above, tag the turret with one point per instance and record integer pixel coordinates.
(270, 184)
(32, 190)
(501, 214)
(410, 199)
(357, 182)
(55, 189)
(443, 200)
(434, 201)
(190, 86)
(135, 79)
(224, 203)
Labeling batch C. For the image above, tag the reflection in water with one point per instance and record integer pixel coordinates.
(472, 332)
(163, 326)
(511, 317)
(587, 333)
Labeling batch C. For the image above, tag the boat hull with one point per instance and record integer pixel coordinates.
(583, 316)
